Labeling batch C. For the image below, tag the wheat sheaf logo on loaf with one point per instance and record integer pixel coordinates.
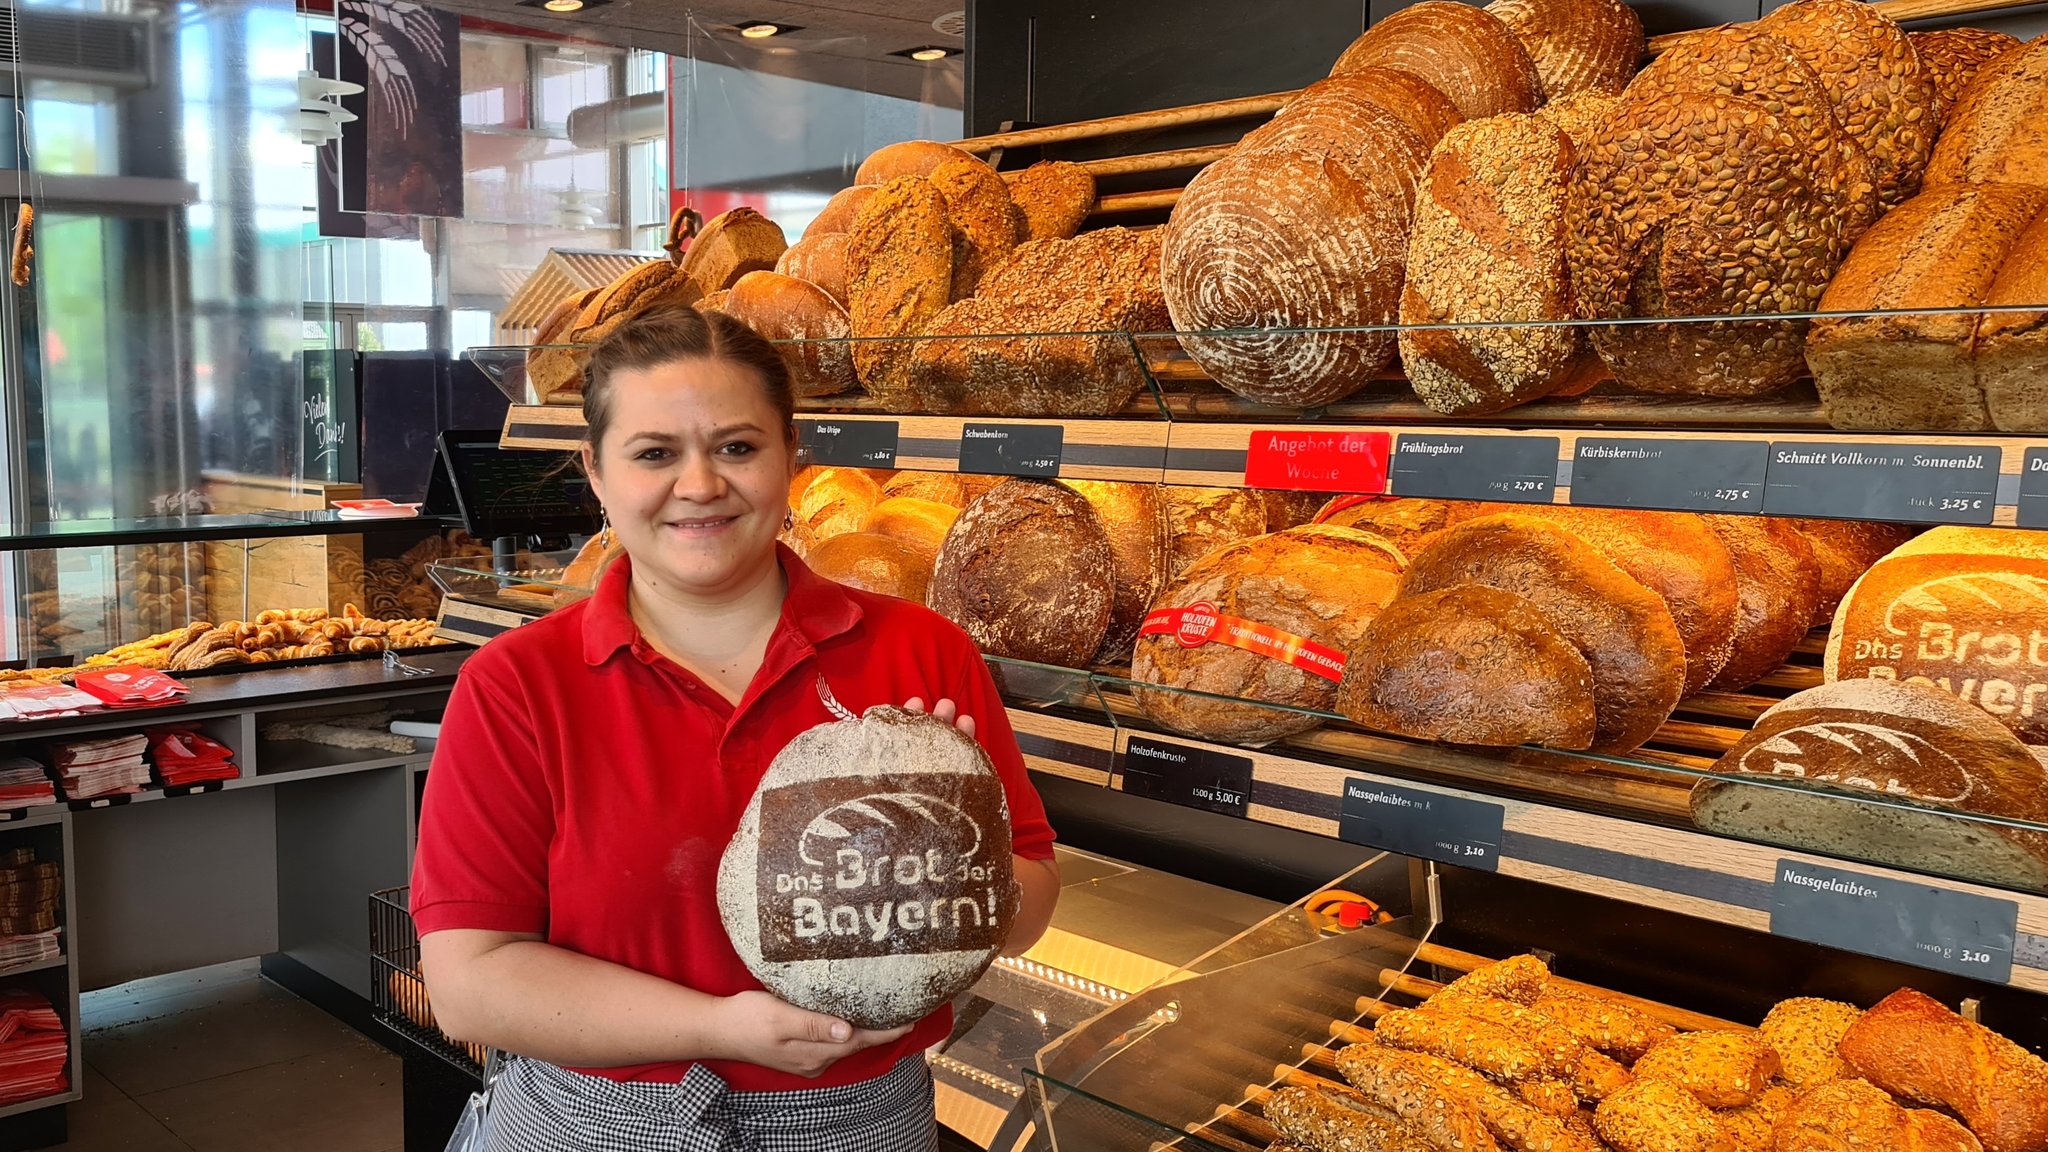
(1877, 758)
(871, 874)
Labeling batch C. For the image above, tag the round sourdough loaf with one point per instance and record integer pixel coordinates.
(938, 487)
(1577, 45)
(819, 259)
(831, 502)
(1287, 509)
(1896, 740)
(1470, 665)
(1963, 609)
(1133, 516)
(838, 213)
(809, 327)
(870, 878)
(1408, 523)
(1845, 550)
(1414, 101)
(1623, 629)
(1028, 573)
(1777, 580)
(1954, 56)
(1466, 53)
(1201, 520)
(1881, 93)
(908, 158)
(1218, 621)
(1376, 146)
(918, 524)
(873, 562)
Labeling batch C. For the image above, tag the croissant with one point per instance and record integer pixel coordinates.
(366, 644)
(335, 629)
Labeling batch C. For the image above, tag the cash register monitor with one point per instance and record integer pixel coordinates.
(504, 492)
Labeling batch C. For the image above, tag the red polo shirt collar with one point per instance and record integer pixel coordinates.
(815, 607)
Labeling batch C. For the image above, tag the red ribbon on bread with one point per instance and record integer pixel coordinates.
(1200, 623)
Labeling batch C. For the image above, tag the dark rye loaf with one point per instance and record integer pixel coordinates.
(1028, 573)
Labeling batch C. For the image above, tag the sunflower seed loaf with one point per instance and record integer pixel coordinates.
(1955, 55)
(1488, 244)
(1467, 53)
(1882, 94)
(1998, 129)
(1577, 45)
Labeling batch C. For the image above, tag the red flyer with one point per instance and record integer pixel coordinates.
(130, 685)
(1309, 460)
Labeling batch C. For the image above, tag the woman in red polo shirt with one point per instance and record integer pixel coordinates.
(594, 764)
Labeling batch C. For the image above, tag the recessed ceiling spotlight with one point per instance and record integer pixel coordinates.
(926, 53)
(763, 29)
(563, 7)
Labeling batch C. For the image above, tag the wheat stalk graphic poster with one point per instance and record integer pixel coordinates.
(410, 58)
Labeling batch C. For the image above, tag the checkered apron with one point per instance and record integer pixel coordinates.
(538, 1107)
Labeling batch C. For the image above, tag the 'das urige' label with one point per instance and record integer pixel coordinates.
(881, 871)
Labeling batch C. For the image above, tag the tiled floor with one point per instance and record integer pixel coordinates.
(220, 1060)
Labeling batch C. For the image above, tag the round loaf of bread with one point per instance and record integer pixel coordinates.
(1998, 130)
(1414, 101)
(838, 213)
(918, 524)
(1577, 45)
(1955, 55)
(834, 501)
(1286, 509)
(1625, 632)
(1408, 523)
(809, 327)
(909, 158)
(1469, 665)
(873, 562)
(870, 878)
(1777, 580)
(1466, 53)
(2011, 350)
(1201, 520)
(1378, 147)
(1286, 239)
(1028, 573)
(1882, 94)
(939, 487)
(1845, 550)
(819, 259)
(1233, 615)
(1134, 518)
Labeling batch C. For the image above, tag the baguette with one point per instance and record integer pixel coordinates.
(1912, 1046)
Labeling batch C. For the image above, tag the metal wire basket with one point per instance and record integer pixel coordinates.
(398, 996)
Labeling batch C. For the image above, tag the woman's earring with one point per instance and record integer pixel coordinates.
(604, 537)
(789, 520)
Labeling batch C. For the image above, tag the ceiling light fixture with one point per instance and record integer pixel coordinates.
(763, 29)
(926, 53)
(563, 5)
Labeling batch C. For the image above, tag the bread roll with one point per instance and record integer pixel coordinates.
(1408, 523)
(1882, 94)
(1657, 1116)
(1201, 520)
(835, 500)
(1286, 239)
(1777, 582)
(978, 203)
(1376, 146)
(920, 525)
(873, 562)
(1489, 245)
(1623, 630)
(1244, 607)
(2011, 352)
(1053, 199)
(1134, 518)
(809, 327)
(1722, 1069)
(1029, 574)
(1414, 101)
(1381, 1071)
(1965, 609)
(838, 213)
(821, 260)
(910, 158)
(1997, 132)
(733, 244)
(1414, 1093)
(912, 807)
(1496, 1051)
(1954, 56)
(1913, 371)
(1845, 550)
(899, 276)
(1319, 1120)
(949, 488)
(1912, 1046)
(1855, 1114)
(1466, 53)
(1900, 741)
(1470, 665)
(1610, 1026)
(1804, 1033)
(1577, 45)
(1753, 1128)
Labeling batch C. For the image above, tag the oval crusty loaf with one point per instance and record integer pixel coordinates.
(1853, 1113)
(819, 259)
(1577, 45)
(1905, 371)
(1469, 665)
(1955, 55)
(913, 804)
(873, 563)
(949, 488)
(1778, 581)
(1201, 520)
(1409, 523)
(899, 277)
(1134, 518)
(1882, 94)
(1285, 239)
(1466, 53)
(1845, 550)
(1489, 245)
(1998, 130)
(1378, 147)
(978, 203)
(1028, 573)
(1318, 583)
(1913, 1046)
(1416, 102)
(1287, 509)
(1900, 741)
(909, 158)
(2011, 351)
(1626, 634)
(918, 524)
(555, 372)
(1965, 609)
(654, 284)
(834, 501)
(1053, 199)
(838, 213)
(733, 244)
(807, 324)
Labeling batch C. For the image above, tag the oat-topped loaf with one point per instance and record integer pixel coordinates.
(899, 276)
(1881, 92)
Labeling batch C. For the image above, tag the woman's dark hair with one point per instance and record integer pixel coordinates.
(668, 335)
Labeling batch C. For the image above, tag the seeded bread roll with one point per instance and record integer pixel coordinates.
(873, 563)
(1320, 584)
(2011, 351)
(1914, 372)
(899, 277)
(1903, 741)
(1322, 1121)
(1201, 520)
(1134, 518)
(1029, 574)
(1722, 1069)
(1466, 53)
(978, 203)
(1408, 523)
(1053, 199)
(1880, 91)
(839, 212)
(1470, 665)
(1376, 146)
(1416, 102)
(1804, 1032)
(1610, 1026)
(920, 525)
(1489, 1048)
(1753, 1128)
(909, 158)
(1657, 1116)
(819, 259)
(1489, 245)
(1857, 1114)
(1777, 581)
(1998, 130)
(1954, 56)
(1912, 1046)
(1577, 45)
(1414, 1093)
(1379, 1071)
(1845, 550)
(809, 326)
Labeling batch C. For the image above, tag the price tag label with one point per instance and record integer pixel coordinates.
(101, 802)
(8, 815)
(1418, 822)
(1674, 475)
(1959, 932)
(1012, 449)
(847, 443)
(1196, 777)
(1522, 469)
(1926, 483)
(2033, 512)
(1304, 460)
(193, 789)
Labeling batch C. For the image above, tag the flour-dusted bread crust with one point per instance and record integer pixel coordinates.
(820, 259)
(1845, 550)
(1466, 53)
(1954, 56)
(1777, 580)
(908, 158)
(1577, 45)
(2012, 347)
(1881, 92)
(1375, 145)
(1133, 516)
(1997, 132)
(899, 277)
(1416, 102)
(1319, 583)
(871, 878)
(809, 327)
(1201, 520)
(1028, 573)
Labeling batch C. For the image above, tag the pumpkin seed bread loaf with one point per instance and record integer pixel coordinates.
(1882, 94)
(1955, 55)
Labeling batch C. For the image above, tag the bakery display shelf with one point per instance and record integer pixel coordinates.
(51, 964)
(202, 527)
(67, 1096)
(299, 759)
(531, 581)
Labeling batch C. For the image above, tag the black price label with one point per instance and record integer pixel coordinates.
(1959, 932)
(101, 802)
(847, 443)
(1417, 822)
(1196, 777)
(193, 789)
(2034, 489)
(1522, 469)
(8, 815)
(1674, 475)
(1926, 483)
(1011, 449)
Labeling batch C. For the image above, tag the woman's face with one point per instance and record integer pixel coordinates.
(694, 472)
